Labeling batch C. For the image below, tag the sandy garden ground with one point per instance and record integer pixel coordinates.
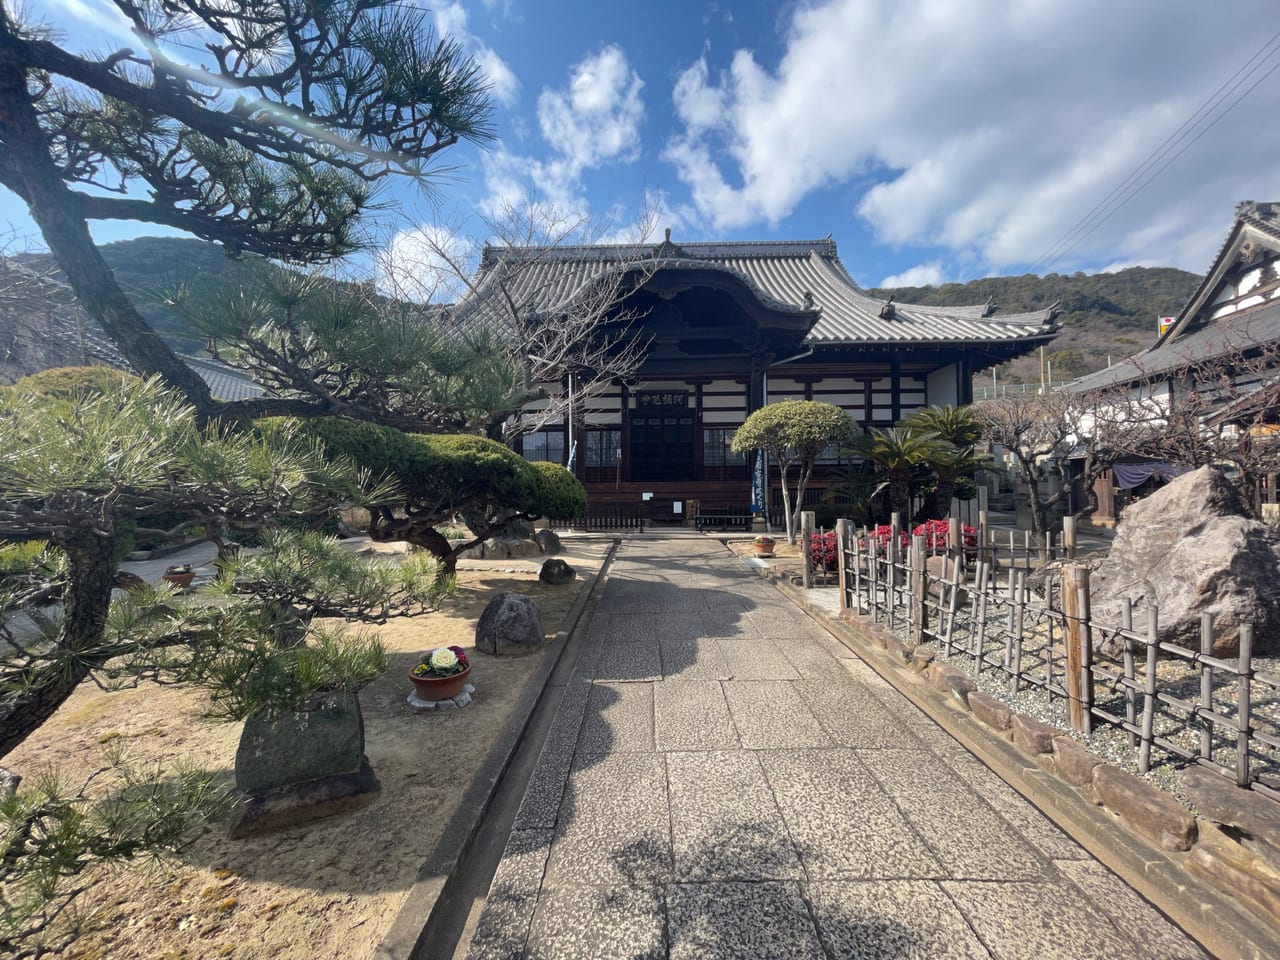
(334, 887)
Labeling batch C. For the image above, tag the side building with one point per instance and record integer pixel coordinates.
(1218, 358)
(730, 327)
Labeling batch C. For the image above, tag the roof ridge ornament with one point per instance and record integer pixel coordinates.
(888, 311)
(990, 307)
(667, 250)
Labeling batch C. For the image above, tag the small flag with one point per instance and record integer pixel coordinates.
(1165, 324)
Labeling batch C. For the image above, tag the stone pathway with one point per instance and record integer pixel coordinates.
(724, 779)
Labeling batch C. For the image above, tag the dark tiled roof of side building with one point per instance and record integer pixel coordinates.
(225, 383)
(1195, 335)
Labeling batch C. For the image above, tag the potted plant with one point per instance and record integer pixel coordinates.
(442, 673)
(764, 545)
(179, 574)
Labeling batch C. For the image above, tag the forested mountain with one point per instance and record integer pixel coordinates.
(148, 265)
(1106, 314)
(1103, 315)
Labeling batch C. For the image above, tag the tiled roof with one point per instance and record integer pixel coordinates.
(1195, 335)
(225, 383)
(1225, 337)
(793, 278)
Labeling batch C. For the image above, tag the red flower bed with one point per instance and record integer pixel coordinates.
(822, 550)
(935, 533)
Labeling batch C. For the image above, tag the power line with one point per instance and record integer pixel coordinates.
(1127, 188)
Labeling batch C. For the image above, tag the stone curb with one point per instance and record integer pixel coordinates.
(430, 893)
(1151, 861)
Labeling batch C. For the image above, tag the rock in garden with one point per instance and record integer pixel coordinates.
(548, 541)
(280, 749)
(510, 626)
(555, 572)
(506, 549)
(1189, 549)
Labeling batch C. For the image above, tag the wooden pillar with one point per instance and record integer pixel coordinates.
(1075, 608)
(895, 373)
(1104, 488)
(624, 442)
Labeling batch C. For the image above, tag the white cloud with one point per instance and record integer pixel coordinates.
(591, 122)
(451, 21)
(929, 274)
(981, 128)
(598, 117)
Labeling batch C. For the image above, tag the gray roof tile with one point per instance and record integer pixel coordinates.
(779, 273)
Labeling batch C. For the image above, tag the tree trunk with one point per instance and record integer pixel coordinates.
(900, 493)
(52, 205)
(792, 521)
(90, 571)
(942, 494)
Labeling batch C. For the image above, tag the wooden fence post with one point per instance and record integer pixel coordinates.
(842, 541)
(1243, 707)
(1206, 685)
(1069, 537)
(955, 541)
(1149, 690)
(806, 548)
(919, 591)
(1075, 609)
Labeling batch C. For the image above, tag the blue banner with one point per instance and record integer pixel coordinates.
(757, 484)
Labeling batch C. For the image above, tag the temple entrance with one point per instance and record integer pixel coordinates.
(662, 445)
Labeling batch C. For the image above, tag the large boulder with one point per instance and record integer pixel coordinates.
(548, 540)
(556, 572)
(1189, 549)
(510, 626)
(510, 549)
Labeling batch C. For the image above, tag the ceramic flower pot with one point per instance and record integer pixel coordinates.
(764, 548)
(180, 580)
(440, 688)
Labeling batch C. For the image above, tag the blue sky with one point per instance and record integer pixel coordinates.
(935, 140)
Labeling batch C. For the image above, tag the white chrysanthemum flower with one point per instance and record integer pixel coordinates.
(443, 659)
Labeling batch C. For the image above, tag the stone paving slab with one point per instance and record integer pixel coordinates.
(771, 714)
(841, 821)
(724, 822)
(971, 839)
(1116, 900)
(813, 660)
(749, 659)
(892, 920)
(618, 718)
(718, 921)
(513, 894)
(1038, 829)
(692, 716)
(728, 624)
(638, 660)
(591, 923)
(1032, 921)
(698, 658)
(853, 717)
(541, 804)
(614, 828)
(771, 626)
(625, 627)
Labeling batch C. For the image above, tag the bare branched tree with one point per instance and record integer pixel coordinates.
(548, 296)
